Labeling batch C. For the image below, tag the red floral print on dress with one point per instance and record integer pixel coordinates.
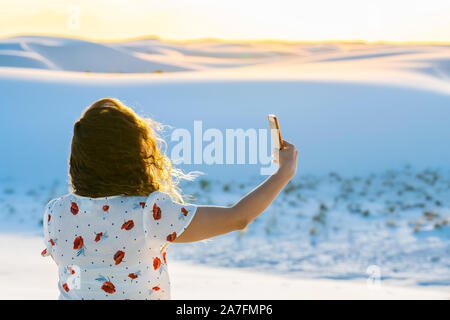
(44, 252)
(118, 256)
(49, 217)
(183, 214)
(105, 208)
(99, 236)
(164, 257)
(70, 270)
(156, 263)
(78, 244)
(74, 208)
(66, 287)
(134, 275)
(156, 212)
(171, 237)
(107, 285)
(52, 242)
(128, 225)
(154, 289)
(142, 204)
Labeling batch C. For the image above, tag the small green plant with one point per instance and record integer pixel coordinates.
(11, 209)
(204, 183)
(440, 224)
(354, 207)
(391, 224)
(8, 191)
(271, 223)
(289, 188)
(320, 217)
(292, 203)
(429, 215)
(31, 193)
(417, 227)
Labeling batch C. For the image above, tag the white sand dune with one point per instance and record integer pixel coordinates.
(78, 55)
(424, 67)
(24, 274)
(320, 104)
(352, 108)
(24, 59)
(151, 55)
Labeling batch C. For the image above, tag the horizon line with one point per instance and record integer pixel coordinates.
(221, 40)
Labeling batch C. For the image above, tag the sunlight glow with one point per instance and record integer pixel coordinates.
(382, 20)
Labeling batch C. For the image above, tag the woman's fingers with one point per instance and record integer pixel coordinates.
(288, 145)
(288, 152)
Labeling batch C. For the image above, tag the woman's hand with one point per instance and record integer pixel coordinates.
(213, 221)
(287, 159)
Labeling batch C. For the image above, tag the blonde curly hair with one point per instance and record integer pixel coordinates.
(116, 152)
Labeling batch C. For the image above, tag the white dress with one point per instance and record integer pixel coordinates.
(113, 247)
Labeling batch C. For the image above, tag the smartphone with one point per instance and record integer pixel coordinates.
(275, 131)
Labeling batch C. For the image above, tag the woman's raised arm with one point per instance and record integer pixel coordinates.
(211, 221)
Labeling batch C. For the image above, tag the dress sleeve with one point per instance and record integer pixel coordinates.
(165, 219)
(46, 222)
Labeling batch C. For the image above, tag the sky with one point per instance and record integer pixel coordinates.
(296, 20)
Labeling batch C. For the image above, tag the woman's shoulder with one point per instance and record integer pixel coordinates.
(159, 194)
(74, 199)
(51, 203)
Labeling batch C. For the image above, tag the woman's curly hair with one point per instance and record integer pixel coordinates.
(116, 152)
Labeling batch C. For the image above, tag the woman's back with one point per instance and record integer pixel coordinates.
(113, 247)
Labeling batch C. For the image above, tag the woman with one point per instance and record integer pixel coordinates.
(109, 236)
